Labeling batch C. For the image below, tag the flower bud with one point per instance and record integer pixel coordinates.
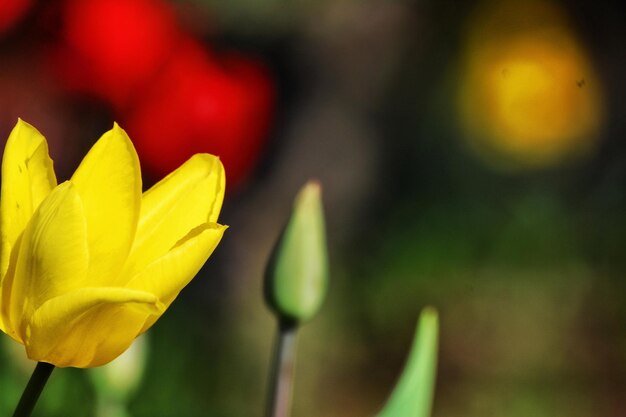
(297, 274)
(414, 391)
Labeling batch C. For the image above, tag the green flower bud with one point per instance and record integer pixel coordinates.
(414, 391)
(297, 274)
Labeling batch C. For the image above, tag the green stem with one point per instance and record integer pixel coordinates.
(33, 390)
(281, 380)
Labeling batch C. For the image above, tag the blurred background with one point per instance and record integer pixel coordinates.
(472, 156)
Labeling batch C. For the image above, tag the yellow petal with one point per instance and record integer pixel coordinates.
(27, 178)
(168, 275)
(188, 197)
(52, 257)
(108, 181)
(88, 327)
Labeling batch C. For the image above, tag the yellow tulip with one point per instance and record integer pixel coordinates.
(88, 265)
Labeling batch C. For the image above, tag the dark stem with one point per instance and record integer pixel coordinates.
(282, 372)
(33, 390)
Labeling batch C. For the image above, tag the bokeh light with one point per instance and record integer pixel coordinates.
(529, 95)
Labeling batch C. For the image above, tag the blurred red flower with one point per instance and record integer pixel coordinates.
(112, 48)
(11, 11)
(174, 97)
(199, 103)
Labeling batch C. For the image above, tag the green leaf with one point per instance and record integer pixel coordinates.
(414, 391)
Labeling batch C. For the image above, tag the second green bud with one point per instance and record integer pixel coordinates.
(297, 274)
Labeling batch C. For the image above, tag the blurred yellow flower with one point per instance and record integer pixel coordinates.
(88, 265)
(529, 95)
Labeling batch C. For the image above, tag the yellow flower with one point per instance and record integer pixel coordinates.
(88, 265)
(529, 96)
